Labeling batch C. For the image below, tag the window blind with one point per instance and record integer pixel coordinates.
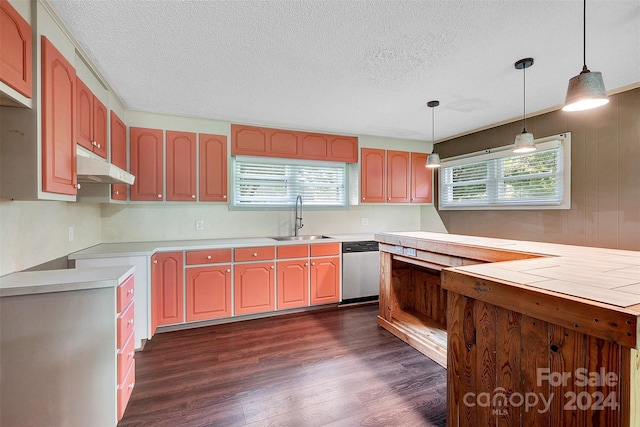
(505, 179)
(274, 184)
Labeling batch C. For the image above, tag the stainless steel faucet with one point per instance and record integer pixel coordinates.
(298, 221)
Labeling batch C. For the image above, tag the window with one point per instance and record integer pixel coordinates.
(500, 179)
(270, 182)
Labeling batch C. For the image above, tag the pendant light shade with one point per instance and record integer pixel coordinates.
(586, 90)
(433, 161)
(524, 142)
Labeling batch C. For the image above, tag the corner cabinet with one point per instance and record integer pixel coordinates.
(118, 153)
(58, 122)
(167, 289)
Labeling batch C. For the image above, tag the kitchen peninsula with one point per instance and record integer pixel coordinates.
(530, 333)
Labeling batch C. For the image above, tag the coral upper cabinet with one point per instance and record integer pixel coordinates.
(258, 141)
(181, 166)
(58, 122)
(373, 175)
(147, 156)
(167, 289)
(388, 176)
(213, 168)
(118, 153)
(91, 119)
(15, 50)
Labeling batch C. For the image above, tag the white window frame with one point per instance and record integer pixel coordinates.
(564, 177)
(290, 199)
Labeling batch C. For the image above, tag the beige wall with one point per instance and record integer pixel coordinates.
(605, 179)
(32, 233)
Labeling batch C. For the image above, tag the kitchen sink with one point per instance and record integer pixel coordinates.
(307, 237)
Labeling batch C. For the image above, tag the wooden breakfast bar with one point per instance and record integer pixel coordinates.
(531, 334)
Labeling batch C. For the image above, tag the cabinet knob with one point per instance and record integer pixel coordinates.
(132, 353)
(306, 264)
(389, 199)
(159, 196)
(130, 322)
(155, 261)
(224, 197)
(255, 254)
(130, 291)
(193, 196)
(313, 263)
(98, 145)
(363, 198)
(77, 186)
(272, 267)
(131, 385)
(116, 192)
(228, 270)
(208, 256)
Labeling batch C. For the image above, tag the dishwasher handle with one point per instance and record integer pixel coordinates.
(364, 246)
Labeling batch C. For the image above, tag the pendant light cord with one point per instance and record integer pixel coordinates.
(584, 38)
(524, 100)
(433, 126)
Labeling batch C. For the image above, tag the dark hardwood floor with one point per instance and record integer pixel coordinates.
(325, 368)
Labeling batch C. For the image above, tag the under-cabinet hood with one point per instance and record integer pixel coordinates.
(94, 170)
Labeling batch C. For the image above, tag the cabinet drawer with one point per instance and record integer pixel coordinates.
(125, 389)
(324, 249)
(293, 251)
(125, 325)
(125, 294)
(255, 253)
(125, 358)
(209, 256)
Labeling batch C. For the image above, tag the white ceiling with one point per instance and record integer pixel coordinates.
(354, 67)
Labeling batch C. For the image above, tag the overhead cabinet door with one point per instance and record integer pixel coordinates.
(146, 164)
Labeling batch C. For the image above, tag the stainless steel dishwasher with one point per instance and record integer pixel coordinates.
(360, 271)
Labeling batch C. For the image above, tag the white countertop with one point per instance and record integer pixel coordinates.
(74, 279)
(125, 249)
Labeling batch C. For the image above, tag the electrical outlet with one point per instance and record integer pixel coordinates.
(71, 233)
(364, 221)
(199, 224)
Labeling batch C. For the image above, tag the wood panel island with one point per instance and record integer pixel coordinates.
(531, 334)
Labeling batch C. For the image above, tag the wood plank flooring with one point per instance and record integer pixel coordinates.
(332, 367)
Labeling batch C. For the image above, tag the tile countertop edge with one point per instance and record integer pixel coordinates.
(559, 252)
(50, 281)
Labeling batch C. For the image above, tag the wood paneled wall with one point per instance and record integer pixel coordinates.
(605, 179)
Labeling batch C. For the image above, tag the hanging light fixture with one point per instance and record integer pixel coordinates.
(433, 161)
(524, 141)
(586, 90)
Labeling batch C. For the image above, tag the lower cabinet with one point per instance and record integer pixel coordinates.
(293, 284)
(254, 287)
(207, 284)
(167, 289)
(208, 292)
(125, 342)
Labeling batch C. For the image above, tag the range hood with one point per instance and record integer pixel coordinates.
(94, 170)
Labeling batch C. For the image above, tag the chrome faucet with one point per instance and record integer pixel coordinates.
(298, 221)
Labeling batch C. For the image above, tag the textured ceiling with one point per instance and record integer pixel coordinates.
(355, 67)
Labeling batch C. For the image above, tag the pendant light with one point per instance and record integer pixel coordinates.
(586, 90)
(524, 141)
(433, 161)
